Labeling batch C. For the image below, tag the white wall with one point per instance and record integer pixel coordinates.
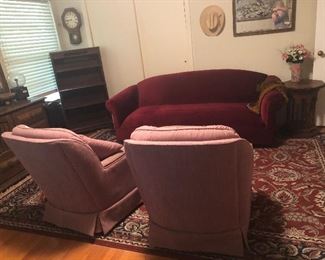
(114, 30)
(164, 36)
(259, 52)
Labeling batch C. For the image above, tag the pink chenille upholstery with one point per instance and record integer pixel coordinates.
(197, 193)
(101, 148)
(83, 193)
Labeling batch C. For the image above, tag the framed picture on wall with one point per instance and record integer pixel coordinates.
(3, 82)
(252, 17)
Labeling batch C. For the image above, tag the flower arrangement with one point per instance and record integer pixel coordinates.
(296, 54)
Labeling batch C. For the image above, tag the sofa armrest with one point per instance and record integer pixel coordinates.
(122, 104)
(273, 109)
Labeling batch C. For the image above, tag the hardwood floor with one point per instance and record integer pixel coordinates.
(16, 245)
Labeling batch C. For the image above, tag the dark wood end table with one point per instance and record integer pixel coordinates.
(301, 107)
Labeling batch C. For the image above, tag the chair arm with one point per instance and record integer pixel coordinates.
(117, 170)
(122, 104)
(272, 109)
(109, 162)
(101, 148)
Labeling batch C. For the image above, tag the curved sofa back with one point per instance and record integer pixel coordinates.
(205, 86)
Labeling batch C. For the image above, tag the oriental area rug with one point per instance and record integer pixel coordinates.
(287, 215)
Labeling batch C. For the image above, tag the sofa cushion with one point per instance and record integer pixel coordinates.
(236, 115)
(208, 86)
(194, 114)
(183, 133)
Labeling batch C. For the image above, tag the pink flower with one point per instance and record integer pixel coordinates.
(296, 54)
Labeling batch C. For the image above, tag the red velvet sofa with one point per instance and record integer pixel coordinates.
(199, 98)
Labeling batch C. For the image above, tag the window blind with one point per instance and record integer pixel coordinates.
(27, 35)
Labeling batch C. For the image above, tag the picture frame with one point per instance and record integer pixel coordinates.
(253, 17)
(3, 82)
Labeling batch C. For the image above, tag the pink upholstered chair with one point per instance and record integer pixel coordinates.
(87, 183)
(195, 183)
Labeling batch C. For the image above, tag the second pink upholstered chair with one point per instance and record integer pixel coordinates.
(196, 184)
(87, 183)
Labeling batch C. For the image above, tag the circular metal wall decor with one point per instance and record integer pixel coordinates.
(212, 20)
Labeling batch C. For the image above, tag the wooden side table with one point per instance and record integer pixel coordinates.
(301, 107)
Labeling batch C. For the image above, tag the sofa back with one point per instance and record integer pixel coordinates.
(206, 86)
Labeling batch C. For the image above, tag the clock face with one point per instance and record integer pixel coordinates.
(71, 20)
